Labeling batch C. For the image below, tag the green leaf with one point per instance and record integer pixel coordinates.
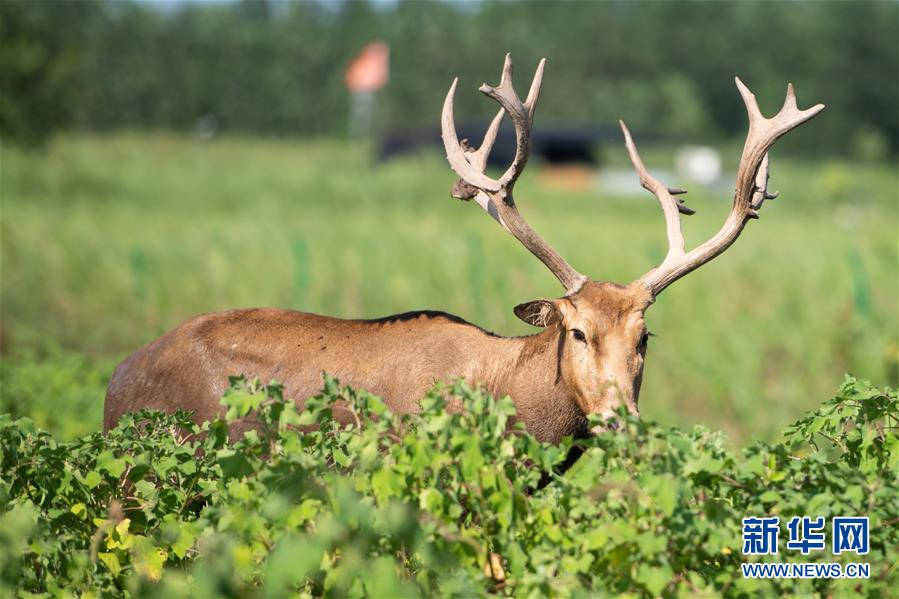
(386, 483)
(148, 559)
(111, 561)
(431, 500)
(79, 510)
(107, 462)
(92, 479)
(654, 578)
(185, 541)
(703, 463)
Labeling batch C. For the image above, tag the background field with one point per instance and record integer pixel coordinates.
(109, 241)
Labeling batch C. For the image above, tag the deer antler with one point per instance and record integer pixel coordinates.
(495, 195)
(751, 190)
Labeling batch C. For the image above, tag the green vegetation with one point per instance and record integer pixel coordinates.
(107, 242)
(436, 504)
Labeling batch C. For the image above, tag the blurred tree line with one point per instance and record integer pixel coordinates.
(276, 68)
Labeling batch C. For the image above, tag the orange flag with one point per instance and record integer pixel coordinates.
(370, 69)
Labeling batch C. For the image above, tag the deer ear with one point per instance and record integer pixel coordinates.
(540, 313)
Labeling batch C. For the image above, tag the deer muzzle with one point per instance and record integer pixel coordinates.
(611, 398)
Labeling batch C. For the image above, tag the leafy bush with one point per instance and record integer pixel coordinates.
(440, 503)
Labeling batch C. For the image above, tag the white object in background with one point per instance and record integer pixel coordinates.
(701, 164)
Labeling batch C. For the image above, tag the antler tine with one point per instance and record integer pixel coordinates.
(470, 165)
(478, 158)
(455, 154)
(534, 93)
(521, 114)
(763, 132)
(670, 206)
(495, 196)
(751, 188)
(761, 187)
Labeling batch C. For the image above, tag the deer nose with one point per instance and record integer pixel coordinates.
(612, 425)
(611, 422)
(612, 419)
(613, 395)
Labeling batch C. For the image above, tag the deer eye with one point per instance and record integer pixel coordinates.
(644, 339)
(579, 335)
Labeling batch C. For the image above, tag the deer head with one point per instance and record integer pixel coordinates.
(600, 325)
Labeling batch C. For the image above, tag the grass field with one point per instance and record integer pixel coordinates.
(107, 242)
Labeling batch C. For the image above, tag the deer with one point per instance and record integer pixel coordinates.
(587, 360)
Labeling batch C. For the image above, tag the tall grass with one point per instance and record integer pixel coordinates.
(107, 242)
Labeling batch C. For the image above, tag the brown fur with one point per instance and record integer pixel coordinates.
(398, 358)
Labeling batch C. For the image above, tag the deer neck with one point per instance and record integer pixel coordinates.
(530, 375)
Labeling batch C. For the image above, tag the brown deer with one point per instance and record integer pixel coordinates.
(587, 360)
